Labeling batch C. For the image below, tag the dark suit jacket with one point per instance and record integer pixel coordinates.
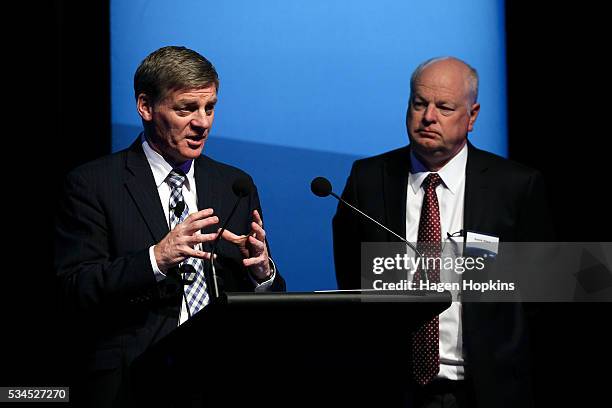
(109, 216)
(502, 198)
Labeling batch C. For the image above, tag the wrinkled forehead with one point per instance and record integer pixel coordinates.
(204, 93)
(446, 77)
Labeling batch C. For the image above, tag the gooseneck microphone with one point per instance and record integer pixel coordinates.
(241, 187)
(321, 187)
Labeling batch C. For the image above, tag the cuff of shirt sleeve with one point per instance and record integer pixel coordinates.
(159, 275)
(265, 285)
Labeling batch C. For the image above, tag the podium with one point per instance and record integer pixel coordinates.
(284, 349)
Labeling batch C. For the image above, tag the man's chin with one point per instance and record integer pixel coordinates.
(430, 155)
(191, 154)
(428, 147)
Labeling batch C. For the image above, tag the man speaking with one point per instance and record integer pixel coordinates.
(135, 229)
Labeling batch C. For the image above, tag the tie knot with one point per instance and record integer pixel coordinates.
(176, 178)
(433, 180)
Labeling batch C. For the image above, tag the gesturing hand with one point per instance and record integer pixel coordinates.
(179, 243)
(253, 248)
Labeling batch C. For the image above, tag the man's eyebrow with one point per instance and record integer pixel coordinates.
(193, 101)
(186, 101)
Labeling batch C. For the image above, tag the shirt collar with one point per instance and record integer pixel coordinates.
(451, 174)
(161, 168)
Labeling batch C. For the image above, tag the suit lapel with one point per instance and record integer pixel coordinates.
(476, 190)
(141, 186)
(395, 183)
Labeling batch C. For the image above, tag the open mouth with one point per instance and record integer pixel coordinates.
(195, 141)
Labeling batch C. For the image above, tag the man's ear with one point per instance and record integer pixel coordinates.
(473, 115)
(144, 105)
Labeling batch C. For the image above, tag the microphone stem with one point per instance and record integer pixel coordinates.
(214, 248)
(378, 223)
(416, 251)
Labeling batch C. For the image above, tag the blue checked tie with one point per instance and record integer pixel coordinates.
(195, 291)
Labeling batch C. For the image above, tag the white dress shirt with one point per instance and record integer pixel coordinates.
(450, 193)
(161, 168)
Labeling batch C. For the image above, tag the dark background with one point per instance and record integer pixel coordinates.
(56, 115)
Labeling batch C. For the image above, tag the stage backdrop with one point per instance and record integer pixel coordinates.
(307, 87)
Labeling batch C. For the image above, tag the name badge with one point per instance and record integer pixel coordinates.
(479, 244)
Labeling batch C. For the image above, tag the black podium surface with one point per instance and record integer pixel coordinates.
(287, 348)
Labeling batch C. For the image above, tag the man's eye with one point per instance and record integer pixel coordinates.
(183, 110)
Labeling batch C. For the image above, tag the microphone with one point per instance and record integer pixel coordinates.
(241, 187)
(321, 187)
(185, 269)
(178, 210)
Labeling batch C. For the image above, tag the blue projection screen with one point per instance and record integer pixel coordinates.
(307, 87)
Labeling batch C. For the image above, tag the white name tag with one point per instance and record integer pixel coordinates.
(479, 243)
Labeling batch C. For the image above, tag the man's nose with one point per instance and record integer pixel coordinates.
(430, 114)
(201, 119)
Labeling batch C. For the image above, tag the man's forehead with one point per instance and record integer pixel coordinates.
(438, 91)
(207, 92)
(444, 76)
(441, 87)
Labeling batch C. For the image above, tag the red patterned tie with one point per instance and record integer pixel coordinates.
(425, 349)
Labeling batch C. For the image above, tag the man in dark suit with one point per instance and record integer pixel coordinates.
(130, 222)
(481, 348)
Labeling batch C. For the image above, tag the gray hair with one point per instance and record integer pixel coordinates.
(170, 68)
(472, 75)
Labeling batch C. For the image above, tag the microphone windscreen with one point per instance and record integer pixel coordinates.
(187, 268)
(188, 273)
(321, 187)
(242, 186)
(178, 210)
